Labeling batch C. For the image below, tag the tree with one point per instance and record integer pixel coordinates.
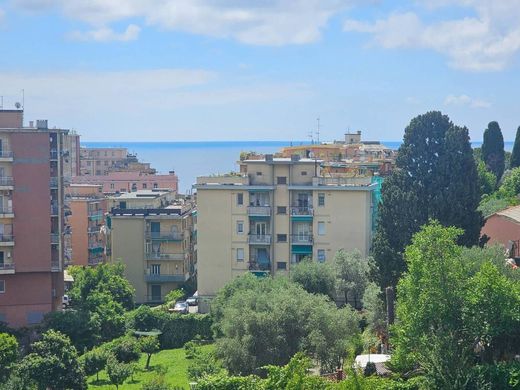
(94, 361)
(125, 349)
(8, 354)
(515, 154)
(149, 345)
(493, 149)
(53, 363)
(486, 179)
(510, 187)
(82, 329)
(435, 177)
(314, 277)
(352, 274)
(117, 372)
(270, 320)
(374, 308)
(173, 296)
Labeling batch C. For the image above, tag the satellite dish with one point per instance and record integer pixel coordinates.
(17, 105)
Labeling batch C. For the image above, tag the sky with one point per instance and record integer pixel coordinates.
(187, 70)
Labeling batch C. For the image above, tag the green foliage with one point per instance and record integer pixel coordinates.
(176, 329)
(436, 177)
(499, 376)
(173, 296)
(486, 179)
(314, 277)
(510, 187)
(191, 349)
(370, 369)
(492, 204)
(94, 361)
(117, 372)
(149, 345)
(295, 375)
(8, 354)
(515, 154)
(82, 328)
(266, 321)
(156, 383)
(225, 382)
(125, 349)
(374, 308)
(204, 363)
(493, 149)
(352, 275)
(53, 363)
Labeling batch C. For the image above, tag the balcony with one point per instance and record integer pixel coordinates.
(54, 210)
(6, 212)
(259, 239)
(304, 239)
(6, 155)
(302, 211)
(255, 266)
(55, 266)
(165, 278)
(164, 256)
(96, 215)
(6, 268)
(6, 239)
(94, 230)
(95, 259)
(53, 182)
(53, 154)
(96, 247)
(6, 183)
(55, 238)
(164, 236)
(259, 211)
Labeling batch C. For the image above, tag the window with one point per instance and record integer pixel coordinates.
(304, 173)
(156, 269)
(98, 172)
(321, 199)
(259, 174)
(240, 199)
(321, 255)
(281, 265)
(112, 186)
(144, 186)
(155, 185)
(2, 286)
(106, 163)
(281, 210)
(281, 237)
(240, 254)
(281, 180)
(321, 228)
(89, 163)
(240, 227)
(98, 163)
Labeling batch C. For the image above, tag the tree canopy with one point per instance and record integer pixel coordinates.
(435, 177)
(493, 149)
(514, 162)
(315, 277)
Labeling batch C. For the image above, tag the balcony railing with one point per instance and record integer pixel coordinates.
(54, 209)
(94, 230)
(299, 210)
(6, 266)
(166, 236)
(55, 266)
(6, 210)
(255, 266)
(53, 182)
(6, 154)
(165, 277)
(53, 155)
(55, 238)
(305, 239)
(95, 260)
(164, 256)
(260, 239)
(6, 181)
(259, 210)
(95, 215)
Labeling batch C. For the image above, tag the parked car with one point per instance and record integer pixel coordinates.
(181, 307)
(65, 301)
(192, 301)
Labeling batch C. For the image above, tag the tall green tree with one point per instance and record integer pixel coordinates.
(314, 277)
(493, 149)
(352, 276)
(435, 177)
(53, 364)
(514, 162)
(8, 354)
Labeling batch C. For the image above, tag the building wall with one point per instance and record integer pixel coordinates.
(124, 181)
(501, 230)
(10, 119)
(79, 238)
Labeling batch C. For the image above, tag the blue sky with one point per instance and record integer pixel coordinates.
(254, 70)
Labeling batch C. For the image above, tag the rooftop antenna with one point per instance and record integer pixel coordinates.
(318, 129)
(311, 136)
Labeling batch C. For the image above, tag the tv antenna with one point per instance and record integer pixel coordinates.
(17, 105)
(318, 129)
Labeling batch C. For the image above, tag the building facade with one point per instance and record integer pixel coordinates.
(120, 182)
(272, 215)
(152, 235)
(101, 161)
(85, 243)
(31, 219)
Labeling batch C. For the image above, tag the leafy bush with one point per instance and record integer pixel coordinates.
(190, 349)
(94, 361)
(204, 364)
(117, 372)
(125, 349)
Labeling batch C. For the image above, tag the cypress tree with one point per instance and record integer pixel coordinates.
(493, 149)
(515, 155)
(435, 177)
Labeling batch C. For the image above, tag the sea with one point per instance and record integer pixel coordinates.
(192, 159)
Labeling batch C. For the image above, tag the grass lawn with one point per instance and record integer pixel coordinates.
(171, 361)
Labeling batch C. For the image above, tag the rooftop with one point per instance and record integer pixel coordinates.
(155, 193)
(512, 213)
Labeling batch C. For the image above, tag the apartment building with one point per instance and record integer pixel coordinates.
(151, 233)
(71, 158)
(31, 219)
(101, 161)
(273, 214)
(85, 243)
(119, 182)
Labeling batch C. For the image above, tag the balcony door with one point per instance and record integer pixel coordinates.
(155, 229)
(302, 231)
(303, 200)
(261, 229)
(156, 292)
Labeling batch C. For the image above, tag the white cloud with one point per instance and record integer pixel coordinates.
(105, 34)
(465, 100)
(485, 40)
(258, 22)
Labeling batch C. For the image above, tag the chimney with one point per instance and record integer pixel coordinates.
(42, 124)
(295, 157)
(31, 123)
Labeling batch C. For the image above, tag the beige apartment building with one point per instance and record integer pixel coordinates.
(151, 233)
(102, 161)
(274, 213)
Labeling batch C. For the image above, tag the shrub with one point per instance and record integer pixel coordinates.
(117, 372)
(125, 349)
(94, 361)
(370, 369)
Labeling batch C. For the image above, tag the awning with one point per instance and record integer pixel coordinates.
(302, 249)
